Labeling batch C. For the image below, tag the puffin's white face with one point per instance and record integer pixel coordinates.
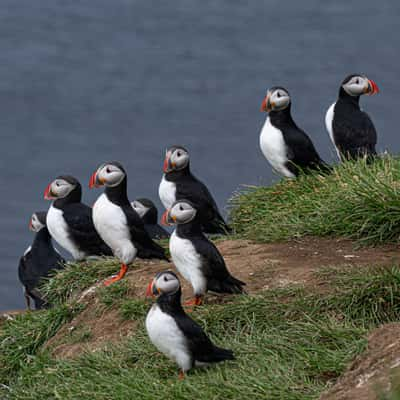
(34, 224)
(139, 208)
(357, 85)
(277, 99)
(58, 189)
(164, 282)
(109, 175)
(181, 212)
(175, 159)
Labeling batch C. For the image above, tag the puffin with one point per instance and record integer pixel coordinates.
(350, 129)
(179, 183)
(69, 221)
(38, 261)
(117, 222)
(195, 256)
(174, 333)
(287, 148)
(148, 213)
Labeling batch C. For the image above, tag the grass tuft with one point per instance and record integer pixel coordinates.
(357, 200)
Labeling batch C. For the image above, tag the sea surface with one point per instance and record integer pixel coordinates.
(83, 82)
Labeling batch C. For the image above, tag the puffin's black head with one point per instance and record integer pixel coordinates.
(37, 221)
(277, 99)
(356, 85)
(181, 212)
(146, 210)
(62, 187)
(165, 282)
(109, 174)
(176, 158)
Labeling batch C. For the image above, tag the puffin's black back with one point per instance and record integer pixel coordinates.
(200, 346)
(190, 188)
(150, 220)
(146, 247)
(301, 151)
(213, 265)
(353, 131)
(37, 264)
(78, 217)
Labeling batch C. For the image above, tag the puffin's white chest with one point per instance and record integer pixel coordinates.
(167, 192)
(58, 229)
(274, 148)
(188, 262)
(111, 224)
(165, 334)
(329, 125)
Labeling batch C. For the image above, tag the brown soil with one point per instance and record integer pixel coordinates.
(373, 371)
(261, 266)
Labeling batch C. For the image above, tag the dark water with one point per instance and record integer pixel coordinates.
(82, 82)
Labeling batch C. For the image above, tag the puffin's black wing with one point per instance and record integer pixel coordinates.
(355, 137)
(200, 346)
(78, 217)
(197, 192)
(147, 248)
(302, 152)
(26, 273)
(214, 268)
(155, 231)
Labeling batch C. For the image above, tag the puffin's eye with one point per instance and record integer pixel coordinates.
(57, 184)
(278, 94)
(165, 279)
(181, 208)
(357, 81)
(178, 153)
(108, 170)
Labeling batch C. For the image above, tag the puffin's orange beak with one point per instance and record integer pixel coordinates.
(152, 290)
(48, 195)
(30, 225)
(166, 219)
(95, 181)
(264, 104)
(372, 87)
(149, 289)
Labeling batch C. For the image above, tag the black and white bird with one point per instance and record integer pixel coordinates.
(38, 261)
(286, 147)
(69, 221)
(195, 256)
(178, 183)
(351, 129)
(174, 333)
(148, 213)
(117, 222)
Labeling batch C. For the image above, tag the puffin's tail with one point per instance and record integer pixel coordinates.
(152, 251)
(221, 354)
(229, 285)
(217, 226)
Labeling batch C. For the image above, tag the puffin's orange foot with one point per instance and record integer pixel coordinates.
(181, 375)
(197, 301)
(118, 277)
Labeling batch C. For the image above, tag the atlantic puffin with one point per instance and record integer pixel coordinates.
(195, 256)
(148, 213)
(117, 222)
(174, 333)
(286, 147)
(69, 221)
(38, 261)
(178, 183)
(351, 129)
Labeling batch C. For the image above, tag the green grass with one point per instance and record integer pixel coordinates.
(289, 344)
(357, 200)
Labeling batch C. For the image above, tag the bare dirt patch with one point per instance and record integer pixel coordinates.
(370, 374)
(261, 266)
